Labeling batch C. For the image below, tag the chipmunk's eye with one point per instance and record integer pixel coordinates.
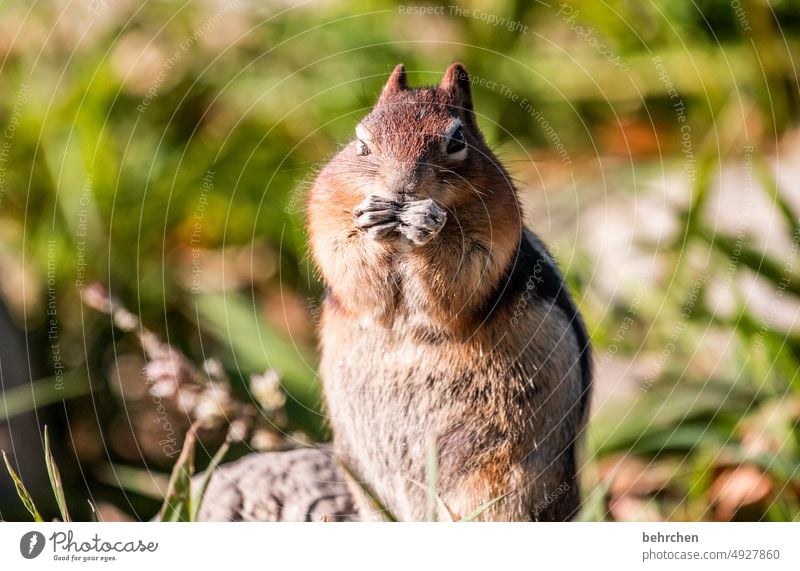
(456, 141)
(362, 149)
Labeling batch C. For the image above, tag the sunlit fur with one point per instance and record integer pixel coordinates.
(440, 342)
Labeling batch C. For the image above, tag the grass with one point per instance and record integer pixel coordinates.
(22, 491)
(55, 478)
(180, 503)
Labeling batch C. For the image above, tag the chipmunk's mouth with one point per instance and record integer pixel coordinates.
(402, 182)
(401, 197)
(404, 197)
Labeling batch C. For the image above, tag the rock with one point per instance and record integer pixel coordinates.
(304, 484)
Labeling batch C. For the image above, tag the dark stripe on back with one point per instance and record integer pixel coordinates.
(534, 269)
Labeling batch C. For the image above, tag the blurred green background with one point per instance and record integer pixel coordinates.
(163, 149)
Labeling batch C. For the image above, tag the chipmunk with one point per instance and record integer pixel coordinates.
(445, 320)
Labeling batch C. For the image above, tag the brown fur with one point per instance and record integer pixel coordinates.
(436, 324)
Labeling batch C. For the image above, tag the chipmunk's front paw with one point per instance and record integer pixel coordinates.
(421, 221)
(377, 216)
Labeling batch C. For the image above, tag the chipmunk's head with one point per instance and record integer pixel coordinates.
(423, 142)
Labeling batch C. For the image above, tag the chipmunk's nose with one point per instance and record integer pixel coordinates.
(402, 181)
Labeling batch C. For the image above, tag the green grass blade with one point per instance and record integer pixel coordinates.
(22, 491)
(178, 501)
(95, 514)
(40, 393)
(771, 187)
(766, 266)
(593, 507)
(483, 507)
(136, 480)
(432, 479)
(212, 467)
(55, 478)
(375, 502)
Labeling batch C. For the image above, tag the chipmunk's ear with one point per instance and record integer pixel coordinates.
(456, 82)
(397, 82)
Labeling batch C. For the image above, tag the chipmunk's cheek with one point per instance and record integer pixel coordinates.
(442, 194)
(371, 185)
(384, 192)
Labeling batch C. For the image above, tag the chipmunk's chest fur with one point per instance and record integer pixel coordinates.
(495, 396)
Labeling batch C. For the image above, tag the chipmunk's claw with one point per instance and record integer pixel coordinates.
(421, 221)
(377, 216)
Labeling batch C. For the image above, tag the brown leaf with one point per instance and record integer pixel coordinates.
(630, 475)
(631, 508)
(736, 487)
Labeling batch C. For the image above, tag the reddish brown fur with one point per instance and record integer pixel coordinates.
(411, 347)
